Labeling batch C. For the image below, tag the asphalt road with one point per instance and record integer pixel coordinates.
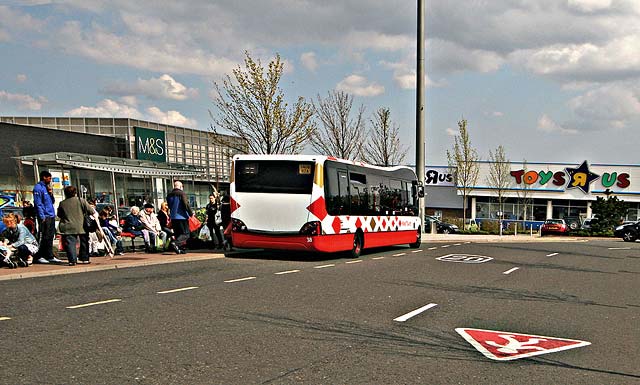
(273, 318)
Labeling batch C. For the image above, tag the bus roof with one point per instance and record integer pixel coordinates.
(315, 158)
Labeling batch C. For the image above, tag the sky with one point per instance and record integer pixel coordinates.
(550, 80)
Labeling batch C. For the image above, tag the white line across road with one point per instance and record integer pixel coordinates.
(432, 248)
(376, 258)
(511, 270)
(350, 262)
(445, 246)
(324, 266)
(5, 318)
(415, 312)
(94, 303)
(178, 290)
(552, 255)
(416, 251)
(240, 279)
(619, 248)
(399, 254)
(287, 272)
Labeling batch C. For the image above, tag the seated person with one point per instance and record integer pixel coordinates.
(111, 232)
(151, 223)
(18, 241)
(133, 225)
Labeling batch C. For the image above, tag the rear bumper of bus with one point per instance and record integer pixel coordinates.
(322, 243)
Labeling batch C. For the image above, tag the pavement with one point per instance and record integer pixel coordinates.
(135, 259)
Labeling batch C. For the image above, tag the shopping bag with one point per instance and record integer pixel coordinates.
(194, 223)
(204, 234)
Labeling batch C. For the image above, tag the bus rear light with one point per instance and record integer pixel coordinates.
(311, 228)
(237, 225)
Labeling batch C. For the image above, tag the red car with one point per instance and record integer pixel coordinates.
(554, 226)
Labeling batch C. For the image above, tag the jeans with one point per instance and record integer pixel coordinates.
(69, 242)
(215, 230)
(112, 239)
(181, 231)
(46, 233)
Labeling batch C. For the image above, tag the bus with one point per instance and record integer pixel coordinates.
(322, 204)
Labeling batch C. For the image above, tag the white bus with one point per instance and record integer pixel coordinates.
(322, 204)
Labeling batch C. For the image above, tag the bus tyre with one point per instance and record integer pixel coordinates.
(358, 242)
(418, 241)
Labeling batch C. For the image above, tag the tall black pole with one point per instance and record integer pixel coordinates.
(420, 105)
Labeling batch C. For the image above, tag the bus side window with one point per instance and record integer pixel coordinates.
(336, 192)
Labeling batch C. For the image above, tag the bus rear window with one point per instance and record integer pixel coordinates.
(274, 176)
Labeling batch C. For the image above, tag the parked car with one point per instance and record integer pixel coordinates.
(628, 232)
(554, 226)
(586, 225)
(573, 223)
(441, 227)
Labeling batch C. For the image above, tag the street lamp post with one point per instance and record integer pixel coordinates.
(420, 106)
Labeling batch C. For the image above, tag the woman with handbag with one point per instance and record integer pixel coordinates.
(214, 220)
(73, 212)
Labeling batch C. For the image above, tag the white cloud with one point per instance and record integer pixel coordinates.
(14, 22)
(359, 86)
(21, 78)
(546, 124)
(111, 108)
(449, 57)
(107, 108)
(309, 61)
(615, 104)
(23, 101)
(404, 74)
(589, 5)
(452, 132)
(174, 118)
(378, 41)
(164, 87)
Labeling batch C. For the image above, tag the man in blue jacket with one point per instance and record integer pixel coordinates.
(43, 201)
(179, 211)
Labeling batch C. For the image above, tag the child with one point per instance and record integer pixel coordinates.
(18, 244)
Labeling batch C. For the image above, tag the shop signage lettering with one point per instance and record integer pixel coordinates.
(579, 177)
(150, 145)
(438, 178)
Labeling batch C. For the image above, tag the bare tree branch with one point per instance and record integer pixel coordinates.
(463, 164)
(383, 144)
(499, 176)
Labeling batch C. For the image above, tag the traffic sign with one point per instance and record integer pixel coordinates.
(507, 346)
(464, 258)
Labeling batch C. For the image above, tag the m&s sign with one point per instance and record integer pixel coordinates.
(150, 145)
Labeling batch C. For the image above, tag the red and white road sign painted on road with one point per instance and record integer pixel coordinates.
(506, 346)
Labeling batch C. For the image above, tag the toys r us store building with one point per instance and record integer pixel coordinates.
(536, 191)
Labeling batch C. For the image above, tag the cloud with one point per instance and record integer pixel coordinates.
(360, 86)
(546, 124)
(405, 74)
(21, 78)
(452, 132)
(309, 61)
(613, 104)
(589, 5)
(14, 22)
(164, 87)
(379, 41)
(173, 118)
(23, 101)
(111, 108)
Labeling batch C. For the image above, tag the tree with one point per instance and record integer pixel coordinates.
(499, 176)
(252, 106)
(340, 135)
(21, 182)
(524, 195)
(463, 164)
(609, 212)
(383, 144)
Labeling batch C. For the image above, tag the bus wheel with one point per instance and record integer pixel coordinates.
(418, 241)
(357, 245)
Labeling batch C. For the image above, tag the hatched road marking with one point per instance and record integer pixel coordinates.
(376, 258)
(399, 255)
(432, 248)
(93, 303)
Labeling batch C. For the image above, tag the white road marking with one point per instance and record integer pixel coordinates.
(511, 270)
(619, 248)
(432, 248)
(415, 312)
(323, 266)
(94, 303)
(287, 272)
(5, 318)
(445, 246)
(239, 279)
(457, 244)
(416, 251)
(378, 258)
(552, 254)
(399, 255)
(357, 261)
(177, 290)
(466, 243)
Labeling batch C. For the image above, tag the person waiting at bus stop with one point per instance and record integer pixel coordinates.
(214, 220)
(179, 212)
